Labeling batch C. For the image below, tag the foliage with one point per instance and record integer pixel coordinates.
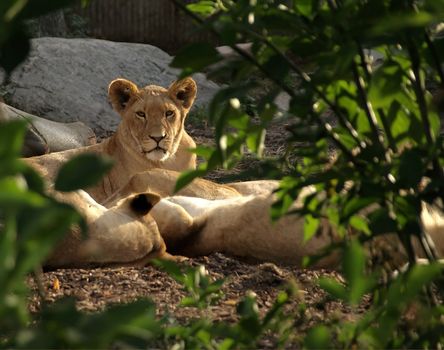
(381, 116)
(202, 291)
(381, 119)
(32, 222)
(205, 333)
(70, 180)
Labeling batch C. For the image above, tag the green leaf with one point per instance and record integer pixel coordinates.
(171, 268)
(11, 139)
(333, 287)
(8, 249)
(386, 84)
(318, 337)
(226, 344)
(204, 8)
(433, 116)
(411, 168)
(311, 225)
(255, 141)
(195, 57)
(304, 7)
(203, 151)
(187, 301)
(82, 171)
(281, 206)
(14, 9)
(277, 67)
(357, 204)
(353, 267)
(14, 195)
(187, 177)
(138, 317)
(418, 277)
(40, 228)
(69, 328)
(397, 22)
(398, 121)
(346, 139)
(248, 311)
(403, 291)
(360, 224)
(204, 336)
(240, 122)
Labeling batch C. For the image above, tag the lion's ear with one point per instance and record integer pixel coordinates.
(183, 91)
(121, 92)
(138, 205)
(142, 203)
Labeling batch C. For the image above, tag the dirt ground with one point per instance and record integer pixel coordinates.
(97, 288)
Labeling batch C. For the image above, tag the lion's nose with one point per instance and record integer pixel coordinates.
(157, 138)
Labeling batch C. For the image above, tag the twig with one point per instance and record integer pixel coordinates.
(407, 244)
(366, 69)
(38, 273)
(419, 91)
(435, 57)
(306, 78)
(364, 63)
(247, 56)
(427, 245)
(367, 106)
(287, 89)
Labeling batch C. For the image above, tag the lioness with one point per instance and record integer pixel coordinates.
(149, 146)
(151, 135)
(124, 234)
(242, 226)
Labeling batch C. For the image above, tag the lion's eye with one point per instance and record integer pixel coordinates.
(169, 114)
(141, 114)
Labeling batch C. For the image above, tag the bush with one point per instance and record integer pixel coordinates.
(389, 156)
(381, 119)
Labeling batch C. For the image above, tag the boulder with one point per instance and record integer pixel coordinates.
(66, 80)
(44, 136)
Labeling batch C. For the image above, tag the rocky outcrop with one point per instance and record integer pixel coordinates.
(66, 80)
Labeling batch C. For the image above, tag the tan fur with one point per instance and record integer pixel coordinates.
(163, 182)
(151, 135)
(122, 234)
(257, 187)
(204, 217)
(133, 145)
(241, 226)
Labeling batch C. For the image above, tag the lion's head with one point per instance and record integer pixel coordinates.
(152, 117)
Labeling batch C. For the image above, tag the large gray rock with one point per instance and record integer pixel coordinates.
(66, 80)
(45, 136)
